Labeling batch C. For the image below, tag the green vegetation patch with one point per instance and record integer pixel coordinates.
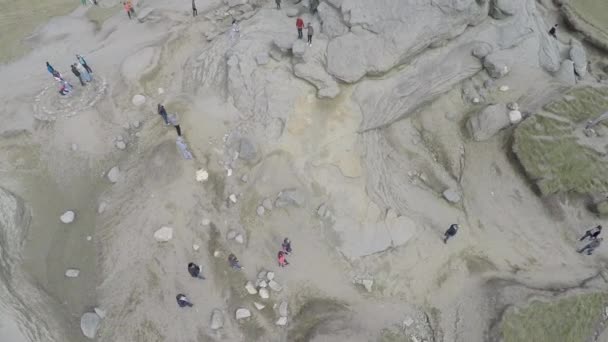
(313, 316)
(549, 151)
(568, 320)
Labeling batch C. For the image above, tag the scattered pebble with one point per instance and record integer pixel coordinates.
(228, 172)
(275, 286)
(282, 321)
(260, 211)
(195, 247)
(264, 294)
(239, 239)
(114, 174)
(451, 195)
(206, 222)
(232, 198)
(245, 178)
(161, 91)
(250, 288)
(89, 323)
(72, 272)
(202, 175)
(515, 116)
(164, 234)
(283, 308)
(121, 145)
(68, 217)
(102, 207)
(217, 254)
(263, 284)
(89, 238)
(259, 306)
(476, 100)
(503, 88)
(242, 313)
(101, 313)
(231, 235)
(138, 100)
(136, 124)
(74, 147)
(270, 275)
(267, 204)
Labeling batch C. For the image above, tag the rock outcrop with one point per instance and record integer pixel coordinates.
(578, 57)
(488, 122)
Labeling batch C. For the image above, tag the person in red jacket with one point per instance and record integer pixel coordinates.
(300, 26)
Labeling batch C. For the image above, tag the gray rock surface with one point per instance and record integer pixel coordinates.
(565, 74)
(217, 319)
(488, 122)
(496, 66)
(262, 59)
(298, 48)
(267, 204)
(292, 12)
(331, 21)
(289, 197)
(578, 55)
(501, 9)
(452, 195)
(247, 150)
(391, 32)
(383, 102)
(283, 308)
(89, 323)
(242, 313)
(317, 76)
(114, 174)
(482, 49)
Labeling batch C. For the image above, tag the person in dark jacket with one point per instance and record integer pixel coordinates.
(591, 246)
(451, 232)
(234, 262)
(75, 72)
(195, 271)
(310, 32)
(162, 112)
(84, 63)
(50, 68)
(194, 10)
(286, 246)
(278, 3)
(592, 233)
(183, 301)
(172, 119)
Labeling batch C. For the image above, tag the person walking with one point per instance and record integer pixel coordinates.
(75, 72)
(194, 10)
(310, 32)
(131, 7)
(278, 4)
(127, 8)
(300, 26)
(286, 246)
(450, 233)
(162, 112)
(84, 63)
(282, 260)
(172, 119)
(183, 301)
(50, 68)
(591, 246)
(235, 31)
(58, 76)
(83, 72)
(592, 233)
(195, 271)
(234, 262)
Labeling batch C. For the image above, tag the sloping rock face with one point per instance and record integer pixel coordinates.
(555, 152)
(383, 102)
(590, 18)
(388, 32)
(14, 224)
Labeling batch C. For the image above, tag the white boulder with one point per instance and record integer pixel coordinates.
(72, 273)
(164, 234)
(259, 306)
(250, 288)
(242, 313)
(68, 217)
(138, 100)
(89, 323)
(275, 286)
(264, 293)
(282, 321)
(515, 116)
(114, 174)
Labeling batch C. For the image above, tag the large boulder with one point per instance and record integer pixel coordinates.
(385, 33)
(332, 24)
(566, 73)
(496, 65)
(488, 122)
(578, 57)
(89, 323)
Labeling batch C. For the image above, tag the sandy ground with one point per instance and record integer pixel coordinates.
(508, 233)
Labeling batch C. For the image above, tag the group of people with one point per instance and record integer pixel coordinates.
(80, 69)
(128, 5)
(309, 30)
(595, 240)
(196, 270)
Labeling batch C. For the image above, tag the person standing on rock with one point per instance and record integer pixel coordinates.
(234, 262)
(85, 74)
(50, 68)
(310, 32)
(592, 233)
(300, 27)
(235, 31)
(286, 245)
(282, 260)
(552, 31)
(84, 63)
(162, 112)
(278, 4)
(172, 119)
(183, 301)
(75, 72)
(591, 246)
(194, 10)
(128, 8)
(131, 7)
(451, 232)
(195, 271)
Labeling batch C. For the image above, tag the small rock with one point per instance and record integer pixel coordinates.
(569, 98)
(136, 124)
(513, 106)
(451, 196)
(217, 254)
(138, 100)
(89, 238)
(488, 84)
(239, 239)
(217, 319)
(282, 321)
(72, 272)
(89, 323)
(232, 198)
(504, 88)
(74, 147)
(231, 235)
(262, 275)
(264, 294)
(101, 313)
(114, 174)
(276, 287)
(263, 283)
(481, 50)
(243, 313)
(196, 247)
(298, 48)
(102, 207)
(161, 91)
(259, 306)
(206, 222)
(408, 321)
(292, 12)
(119, 138)
(164, 234)
(476, 100)
(322, 210)
(202, 175)
(270, 275)
(245, 178)
(67, 217)
(267, 204)
(515, 116)
(495, 66)
(262, 58)
(589, 133)
(367, 283)
(283, 308)
(121, 145)
(260, 211)
(247, 150)
(250, 288)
